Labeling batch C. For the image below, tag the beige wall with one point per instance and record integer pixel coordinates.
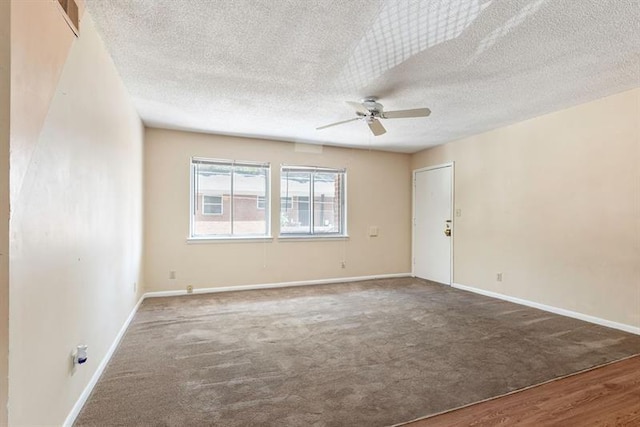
(5, 83)
(76, 231)
(554, 204)
(38, 74)
(379, 194)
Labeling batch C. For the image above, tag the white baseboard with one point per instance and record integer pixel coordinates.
(71, 418)
(561, 311)
(275, 285)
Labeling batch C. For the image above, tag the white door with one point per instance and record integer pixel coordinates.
(432, 230)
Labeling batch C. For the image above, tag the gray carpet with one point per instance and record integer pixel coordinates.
(369, 353)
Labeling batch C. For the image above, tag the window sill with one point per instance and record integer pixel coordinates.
(313, 237)
(239, 239)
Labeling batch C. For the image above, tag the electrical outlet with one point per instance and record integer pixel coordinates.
(172, 274)
(458, 212)
(343, 264)
(189, 289)
(499, 277)
(79, 355)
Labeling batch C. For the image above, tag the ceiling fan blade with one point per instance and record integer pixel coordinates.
(337, 123)
(376, 127)
(401, 114)
(358, 107)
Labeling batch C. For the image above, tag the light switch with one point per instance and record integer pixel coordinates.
(458, 212)
(373, 231)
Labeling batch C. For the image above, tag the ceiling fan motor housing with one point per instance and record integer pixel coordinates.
(372, 105)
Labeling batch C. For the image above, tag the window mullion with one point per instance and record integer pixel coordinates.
(196, 187)
(267, 201)
(231, 201)
(194, 196)
(311, 203)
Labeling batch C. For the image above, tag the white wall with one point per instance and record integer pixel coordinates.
(5, 97)
(76, 196)
(554, 204)
(378, 194)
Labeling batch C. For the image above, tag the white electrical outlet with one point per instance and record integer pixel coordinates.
(343, 264)
(172, 274)
(499, 277)
(79, 355)
(458, 212)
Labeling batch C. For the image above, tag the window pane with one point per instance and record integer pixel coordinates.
(212, 200)
(229, 198)
(326, 203)
(249, 184)
(295, 210)
(285, 203)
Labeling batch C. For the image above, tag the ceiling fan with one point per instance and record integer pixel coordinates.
(370, 110)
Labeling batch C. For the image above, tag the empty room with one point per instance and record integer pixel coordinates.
(319, 212)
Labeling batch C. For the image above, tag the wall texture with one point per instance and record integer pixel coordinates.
(554, 204)
(76, 197)
(5, 97)
(379, 194)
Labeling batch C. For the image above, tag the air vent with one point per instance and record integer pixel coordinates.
(70, 13)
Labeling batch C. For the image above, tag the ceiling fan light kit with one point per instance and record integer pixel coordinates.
(370, 110)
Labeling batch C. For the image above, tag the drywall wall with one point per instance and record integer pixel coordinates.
(554, 204)
(5, 102)
(76, 224)
(379, 194)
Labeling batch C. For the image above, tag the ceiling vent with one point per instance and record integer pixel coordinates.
(70, 13)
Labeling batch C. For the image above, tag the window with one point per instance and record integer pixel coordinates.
(211, 205)
(229, 199)
(312, 201)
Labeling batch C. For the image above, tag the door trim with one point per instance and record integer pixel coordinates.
(413, 213)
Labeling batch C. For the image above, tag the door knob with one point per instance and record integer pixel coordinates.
(447, 232)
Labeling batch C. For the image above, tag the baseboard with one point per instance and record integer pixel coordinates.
(561, 311)
(71, 418)
(156, 294)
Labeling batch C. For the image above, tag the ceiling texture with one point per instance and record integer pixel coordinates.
(278, 69)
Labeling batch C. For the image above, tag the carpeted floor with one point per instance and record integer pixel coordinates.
(368, 353)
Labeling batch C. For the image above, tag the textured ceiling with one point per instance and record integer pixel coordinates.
(278, 69)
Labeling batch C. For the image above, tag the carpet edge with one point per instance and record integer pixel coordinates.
(520, 390)
(556, 310)
(158, 294)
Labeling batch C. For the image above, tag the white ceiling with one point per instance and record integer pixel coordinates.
(277, 69)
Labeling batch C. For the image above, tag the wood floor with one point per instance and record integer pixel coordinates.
(606, 396)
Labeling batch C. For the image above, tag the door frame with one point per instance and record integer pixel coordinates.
(413, 214)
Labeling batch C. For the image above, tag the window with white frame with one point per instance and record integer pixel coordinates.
(229, 198)
(312, 201)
